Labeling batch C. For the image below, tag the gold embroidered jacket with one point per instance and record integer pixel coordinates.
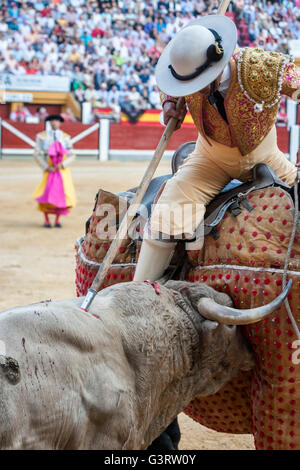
(259, 79)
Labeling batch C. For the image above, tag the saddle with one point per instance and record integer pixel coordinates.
(230, 199)
(262, 177)
(180, 155)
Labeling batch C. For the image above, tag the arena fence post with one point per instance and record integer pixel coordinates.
(103, 146)
(294, 142)
(291, 111)
(99, 139)
(0, 138)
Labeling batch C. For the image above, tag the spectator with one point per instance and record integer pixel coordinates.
(269, 8)
(116, 110)
(99, 78)
(134, 96)
(98, 32)
(41, 114)
(75, 56)
(86, 38)
(66, 71)
(113, 95)
(132, 112)
(118, 44)
(132, 79)
(102, 103)
(154, 98)
(80, 94)
(102, 92)
(282, 115)
(91, 95)
(112, 77)
(144, 75)
(20, 114)
(103, 65)
(253, 33)
(3, 42)
(87, 78)
(123, 93)
(68, 115)
(78, 78)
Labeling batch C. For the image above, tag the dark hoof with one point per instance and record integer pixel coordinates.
(163, 442)
(58, 225)
(169, 439)
(47, 225)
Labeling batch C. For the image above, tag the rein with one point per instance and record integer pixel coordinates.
(287, 259)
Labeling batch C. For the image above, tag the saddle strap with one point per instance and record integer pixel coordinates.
(263, 177)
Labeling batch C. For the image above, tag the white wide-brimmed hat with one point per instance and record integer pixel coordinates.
(196, 55)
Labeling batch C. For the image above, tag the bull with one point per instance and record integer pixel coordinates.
(115, 377)
(250, 247)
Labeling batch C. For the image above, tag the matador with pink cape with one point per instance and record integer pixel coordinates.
(55, 194)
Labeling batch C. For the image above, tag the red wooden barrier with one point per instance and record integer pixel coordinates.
(123, 136)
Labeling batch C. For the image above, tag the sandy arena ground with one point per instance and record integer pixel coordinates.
(38, 263)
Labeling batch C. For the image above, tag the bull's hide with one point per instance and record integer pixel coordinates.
(246, 261)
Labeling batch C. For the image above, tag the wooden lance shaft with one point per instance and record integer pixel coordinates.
(223, 7)
(121, 234)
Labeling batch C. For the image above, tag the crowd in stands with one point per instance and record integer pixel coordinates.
(22, 114)
(109, 49)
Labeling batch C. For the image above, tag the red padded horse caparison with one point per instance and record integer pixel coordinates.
(246, 262)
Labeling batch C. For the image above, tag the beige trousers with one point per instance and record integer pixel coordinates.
(204, 174)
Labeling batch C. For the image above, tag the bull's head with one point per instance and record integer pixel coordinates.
(217, 306)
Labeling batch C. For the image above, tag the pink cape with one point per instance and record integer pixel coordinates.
(54, 191)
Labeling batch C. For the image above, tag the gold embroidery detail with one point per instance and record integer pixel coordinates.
(248, 127)
(219, 50)
(208, 121)
(260, 75)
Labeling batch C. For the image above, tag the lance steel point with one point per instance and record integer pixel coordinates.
(91, 293)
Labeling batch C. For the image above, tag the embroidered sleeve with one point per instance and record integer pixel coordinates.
(69, 146)
(164, 98)
(38, 154)
(291, 81)
(236, 52)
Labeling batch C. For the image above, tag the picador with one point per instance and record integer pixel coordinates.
(233, 96)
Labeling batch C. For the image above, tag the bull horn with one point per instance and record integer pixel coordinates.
(211, 310)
